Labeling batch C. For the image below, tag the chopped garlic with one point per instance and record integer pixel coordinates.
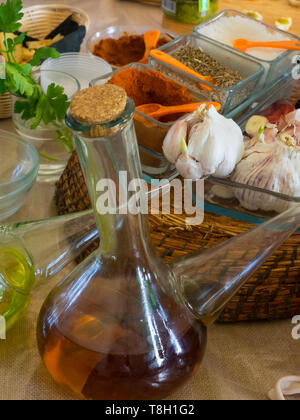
(284, 24)
(287, 139)
(253, 15)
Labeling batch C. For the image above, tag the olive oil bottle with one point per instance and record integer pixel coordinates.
(27, 259)
(190, 11)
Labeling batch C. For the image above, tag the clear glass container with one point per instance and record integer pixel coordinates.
(274, 68)
(45, 138)
(221, 198)
(33, 252)
(150, 134)
(19, 163)
(280, 89)
(123, 329)
(223, 195)
(190, 11)
(229, 98)
(116, 32)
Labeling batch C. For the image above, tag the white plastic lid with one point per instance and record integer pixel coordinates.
(82, 66)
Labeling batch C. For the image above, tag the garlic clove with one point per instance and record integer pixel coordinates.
(287, 138)
(297, 135)
(173, 141)
(203, 144)
(188, 168)
(293, 117)
(271, 167)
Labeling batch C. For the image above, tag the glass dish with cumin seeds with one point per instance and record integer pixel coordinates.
(203, 63)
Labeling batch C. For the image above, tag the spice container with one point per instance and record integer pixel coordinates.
(230, 25)
(130, 50)
(151, 132)
(230, 98)
(190, 11)
(280, 90)
(220, 193)
(220, 199)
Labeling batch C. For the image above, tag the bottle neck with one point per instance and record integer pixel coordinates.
(112, 169)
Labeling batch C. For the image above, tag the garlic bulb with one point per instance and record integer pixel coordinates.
(272, 165)
(204, 143)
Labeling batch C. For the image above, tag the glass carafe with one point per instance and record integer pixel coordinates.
(122, 325)
(114, 329)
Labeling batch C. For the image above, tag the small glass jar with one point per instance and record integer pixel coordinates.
(53, 141)
(190, 11)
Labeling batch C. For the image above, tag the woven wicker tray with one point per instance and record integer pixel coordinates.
(39, 21)
(272, 293)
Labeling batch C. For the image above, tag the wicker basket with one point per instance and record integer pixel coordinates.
(272, 293)
(39, 21)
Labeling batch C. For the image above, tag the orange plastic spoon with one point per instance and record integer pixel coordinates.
(157, 110)
(166, 58)
(151, 39)
(244, 44)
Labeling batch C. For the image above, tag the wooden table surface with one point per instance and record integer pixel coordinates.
(270, 9)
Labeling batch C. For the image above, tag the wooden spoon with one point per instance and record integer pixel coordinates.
(156, 110)
(168, 59)
(244, 44)
(151, 39)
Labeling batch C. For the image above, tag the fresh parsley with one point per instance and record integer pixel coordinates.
(36, 105)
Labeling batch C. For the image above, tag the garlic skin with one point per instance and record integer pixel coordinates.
(214, 144)
(272, 166)
(172, 142)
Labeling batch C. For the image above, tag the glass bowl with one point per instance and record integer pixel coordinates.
(19, 163)
(229, 98)
(115, 32)
(82, 66)
(274, 68)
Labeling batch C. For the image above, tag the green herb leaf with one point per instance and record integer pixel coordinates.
(3, 88)
(47, 108)
(26, 108)
(58, 100)
(10, 16)
(19, 80)
(43, 54)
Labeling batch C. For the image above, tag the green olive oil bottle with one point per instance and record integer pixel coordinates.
(190, 11)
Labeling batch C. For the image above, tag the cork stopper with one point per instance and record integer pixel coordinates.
(98, 104)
